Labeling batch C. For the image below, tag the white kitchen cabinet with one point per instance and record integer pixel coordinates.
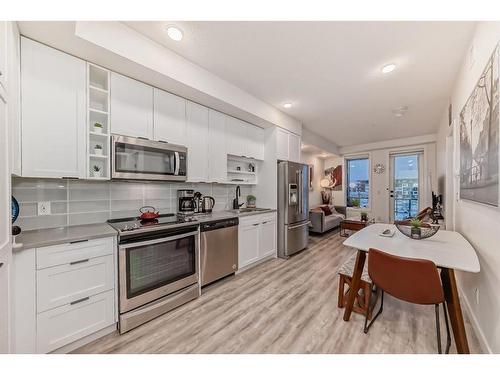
(255, 142)
(131, 107)
(236, 133)
(294, 147)
(5, 271)
(257, 238)
(267, 244)
(197, 142)
(281, 144)
(217, 156)
(248, 244)
(169, 118)
(287, 145)
(70, 322)
(53, 106)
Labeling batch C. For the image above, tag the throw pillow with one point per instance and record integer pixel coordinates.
(326, 210)
(332, 208)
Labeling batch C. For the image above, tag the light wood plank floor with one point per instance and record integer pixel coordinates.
(282, 306)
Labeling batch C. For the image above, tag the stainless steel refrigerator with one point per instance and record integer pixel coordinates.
(293, 207)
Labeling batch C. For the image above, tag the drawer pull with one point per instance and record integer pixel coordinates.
(78, 241)
(1, 264)
(255, 224)
(79, 261)
(265, 222)
(79, 300)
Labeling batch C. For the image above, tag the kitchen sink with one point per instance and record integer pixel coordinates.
(252, 209)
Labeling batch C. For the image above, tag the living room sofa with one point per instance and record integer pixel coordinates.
(321, 223)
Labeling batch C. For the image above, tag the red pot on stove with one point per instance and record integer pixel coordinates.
(148, 213)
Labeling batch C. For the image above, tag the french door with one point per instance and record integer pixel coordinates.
(406, 171)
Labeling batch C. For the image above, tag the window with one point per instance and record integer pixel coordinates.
(358, 182)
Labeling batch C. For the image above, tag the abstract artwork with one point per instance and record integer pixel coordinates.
(334, 174)
(479, 123)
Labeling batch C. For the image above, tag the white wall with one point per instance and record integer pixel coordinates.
(379, 152)
(478, 223)
(319, 167)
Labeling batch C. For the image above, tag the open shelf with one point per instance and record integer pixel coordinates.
(98, 112)
(241, 172)
(243, 169)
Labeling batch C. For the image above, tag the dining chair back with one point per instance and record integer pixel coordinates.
(411, 280)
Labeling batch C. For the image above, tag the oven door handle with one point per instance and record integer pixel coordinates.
(158, 240)
(177, 163)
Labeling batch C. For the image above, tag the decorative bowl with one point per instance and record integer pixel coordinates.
(426, 230)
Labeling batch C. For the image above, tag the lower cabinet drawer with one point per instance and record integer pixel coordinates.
(68, 323)
(60, 285)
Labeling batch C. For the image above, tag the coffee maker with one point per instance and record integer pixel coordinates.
(186, 201)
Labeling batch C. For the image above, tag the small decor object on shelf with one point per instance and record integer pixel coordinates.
(379, 168)
(251, 167)
(238, 168)
(251, 201)
(97, 127)
(96, 171)
(98, 149)
(416, 230)
(364, 216)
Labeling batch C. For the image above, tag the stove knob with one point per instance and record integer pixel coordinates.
(125, 228)
(136, 226)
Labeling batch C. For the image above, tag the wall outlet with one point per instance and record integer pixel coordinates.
(476, 293)
(43, 208)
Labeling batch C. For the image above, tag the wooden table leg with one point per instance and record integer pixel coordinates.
(454, 310)
(356, 279)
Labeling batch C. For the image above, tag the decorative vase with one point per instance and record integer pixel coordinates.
(364, 216)
(96, 173)
(416, 232)
(251, 203)
(97, 151)
(98, 129)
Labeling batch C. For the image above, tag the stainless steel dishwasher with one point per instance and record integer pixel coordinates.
(218, 249)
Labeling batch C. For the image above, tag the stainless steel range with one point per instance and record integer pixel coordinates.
(158, 266)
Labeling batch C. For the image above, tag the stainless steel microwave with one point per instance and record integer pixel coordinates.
(142, 159)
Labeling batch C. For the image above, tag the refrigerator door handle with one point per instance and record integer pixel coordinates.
(299, 225)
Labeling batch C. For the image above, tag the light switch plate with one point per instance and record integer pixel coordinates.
(44, 208)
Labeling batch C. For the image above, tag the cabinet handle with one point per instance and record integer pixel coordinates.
(78, 241)
(70, 178)
(255, 224)
(1, 264)
(79, 300)
(78, 261)
(265, 222)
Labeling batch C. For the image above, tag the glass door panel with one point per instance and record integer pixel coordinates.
(405, 186)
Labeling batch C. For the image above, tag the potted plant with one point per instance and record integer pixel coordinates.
(355, 202)
(364, 216)
(251, 200)
(97, 149)
(96, 171)
(415, 228)
(97, 127)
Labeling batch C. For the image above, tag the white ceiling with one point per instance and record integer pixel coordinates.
(330, 71)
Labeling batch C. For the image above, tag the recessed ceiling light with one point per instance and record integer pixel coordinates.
(174, 33)
(388, 68)
(287, 105)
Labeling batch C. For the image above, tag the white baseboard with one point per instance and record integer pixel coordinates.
(85, 340)
(475, 325)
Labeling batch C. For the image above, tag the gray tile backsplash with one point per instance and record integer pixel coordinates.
(86, 202)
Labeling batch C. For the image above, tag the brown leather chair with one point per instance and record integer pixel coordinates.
(411, 280)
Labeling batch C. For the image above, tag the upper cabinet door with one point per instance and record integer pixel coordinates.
(294, 147)
(3, 57)
(217, 147)
(131, 107)
(255, 142)
(53, 101)
(236, 132)
(197, 136)
(169, 118)
(282, 144)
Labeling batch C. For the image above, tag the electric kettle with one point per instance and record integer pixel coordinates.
(207, 203)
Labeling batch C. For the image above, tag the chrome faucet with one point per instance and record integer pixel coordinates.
(236, 204)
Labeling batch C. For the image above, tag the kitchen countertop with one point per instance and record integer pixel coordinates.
(219, 215)
(56, 236)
